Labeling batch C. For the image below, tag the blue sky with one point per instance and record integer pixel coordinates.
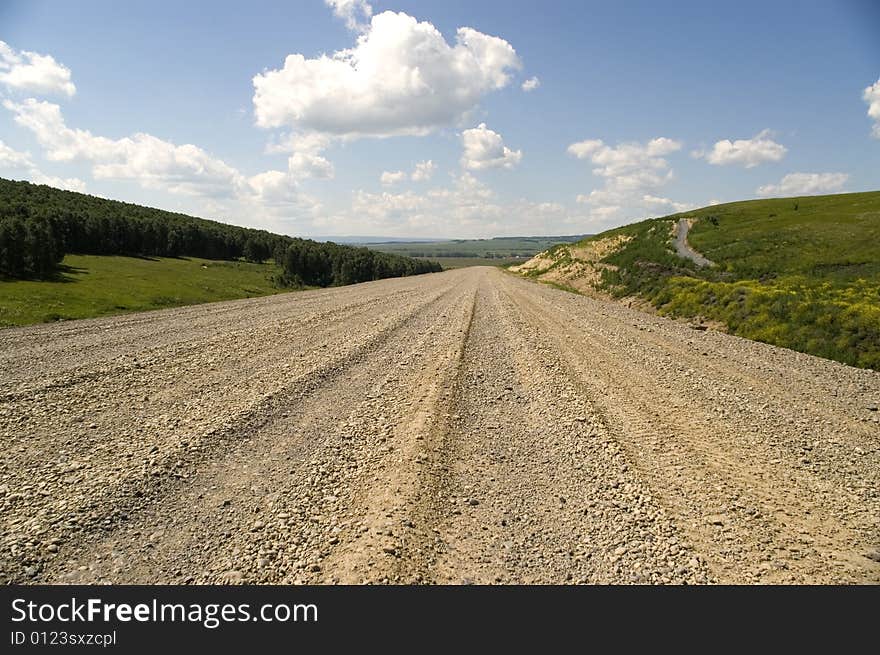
(639, 109)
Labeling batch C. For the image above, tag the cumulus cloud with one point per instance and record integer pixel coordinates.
(270, 185)
(22, 166)
(385, 208)
(626, 158)
(632, 173)
(401, 77)
(353, 12)
(389, 178)
(14, 159)
(871, 96)
(531, 84)
(484, 148)
(585, 149)
(267, 199)
(665, 204)
(744, 152)
(183, 169)
(33, 72)
(627, 167)
(804, 184)
(153, 162)
(466, 207)
(278, 192)
(311, 143)
(37, 176)
(305, 164)
(424, 171)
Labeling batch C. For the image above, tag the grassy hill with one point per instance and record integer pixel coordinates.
(803, 273)
(89, 285)
(70, 255)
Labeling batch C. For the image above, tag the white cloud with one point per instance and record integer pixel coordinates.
(633, 172)
(381, 207)
(306, 142)
(627, 168)
(271, 199)
(30, 71)
(151, 161)
(351, 11)
(744, 152)
(271, 184)
(804, 184)
(484, 149)
(401, 77)
(185, 169)
(464, 208)
(531, 84)
(11, 158)
(304, 165)
(626, 158)
(278, 191)
(585, 149)
(305, 159)
(606, 213)
(665, 204)
(871, 96)
(23, 167)
(424, 171)
(68, 183)
(389, 179)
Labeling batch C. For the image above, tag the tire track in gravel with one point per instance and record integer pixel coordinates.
(394, 539)
(535, 489)
(99, 471)
(720, 357)
(821, 440)
(262, 511)
(803, 424)
(27, 372)
(750, 513)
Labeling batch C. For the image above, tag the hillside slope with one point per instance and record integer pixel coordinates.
(803, 273)
(39, 225)
(70, 255)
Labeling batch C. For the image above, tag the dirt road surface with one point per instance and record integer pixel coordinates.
(461, 427)
(682, 247)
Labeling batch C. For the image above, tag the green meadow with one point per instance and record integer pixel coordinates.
(88, 286)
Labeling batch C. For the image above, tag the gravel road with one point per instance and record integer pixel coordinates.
(460, 427)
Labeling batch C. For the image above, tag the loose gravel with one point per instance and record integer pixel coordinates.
(463, 427)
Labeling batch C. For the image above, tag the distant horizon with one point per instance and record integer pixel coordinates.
(378, 239)
(354, 239)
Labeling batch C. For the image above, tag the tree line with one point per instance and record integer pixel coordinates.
(40, 224)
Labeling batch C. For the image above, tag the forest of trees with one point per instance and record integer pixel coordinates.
(41, 224)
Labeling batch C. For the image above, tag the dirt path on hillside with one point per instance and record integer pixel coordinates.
(682, 247)
(463, 427)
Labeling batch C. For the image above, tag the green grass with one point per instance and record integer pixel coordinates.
(803, 273)
(92, 286)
